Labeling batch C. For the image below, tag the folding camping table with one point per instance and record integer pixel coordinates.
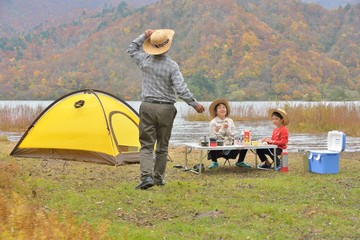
(190, 146)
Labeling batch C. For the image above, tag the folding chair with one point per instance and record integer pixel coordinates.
(227, 159)
(272, 158)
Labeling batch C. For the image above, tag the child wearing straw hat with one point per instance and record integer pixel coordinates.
(280, 137)
(222, 126)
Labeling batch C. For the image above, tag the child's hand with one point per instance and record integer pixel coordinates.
(226, 124)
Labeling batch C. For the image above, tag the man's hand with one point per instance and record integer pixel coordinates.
(148, 32)
(199, 108)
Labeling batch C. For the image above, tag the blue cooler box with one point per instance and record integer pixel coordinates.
(327, 161)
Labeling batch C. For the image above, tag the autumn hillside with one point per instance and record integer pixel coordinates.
(333, 3)
(245, 50)
(20, 16)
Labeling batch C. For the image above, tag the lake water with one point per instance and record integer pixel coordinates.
(187, 131)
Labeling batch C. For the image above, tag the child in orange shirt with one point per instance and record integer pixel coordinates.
(280, 137)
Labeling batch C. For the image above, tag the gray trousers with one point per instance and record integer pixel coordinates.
(156, 122)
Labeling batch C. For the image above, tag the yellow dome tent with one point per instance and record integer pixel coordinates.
(85, 125)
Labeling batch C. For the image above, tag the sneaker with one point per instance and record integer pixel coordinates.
(243, 164)
(213, 165)
(278, 168)
(264, 166)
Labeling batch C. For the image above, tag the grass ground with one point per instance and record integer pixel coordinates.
(225, 203)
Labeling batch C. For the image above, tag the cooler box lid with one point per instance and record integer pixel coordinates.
(336, 141)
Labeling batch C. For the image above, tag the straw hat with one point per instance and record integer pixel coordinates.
(159, 42)
(213, 105)
(282, 113)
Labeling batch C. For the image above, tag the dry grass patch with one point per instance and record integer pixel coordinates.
(23, 217)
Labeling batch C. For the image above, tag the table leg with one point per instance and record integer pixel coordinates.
(274, 159)
(256, 159)
(186, 156)
(201, 157)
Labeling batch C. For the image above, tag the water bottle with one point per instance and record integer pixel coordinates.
(237, 141)
(284, 162)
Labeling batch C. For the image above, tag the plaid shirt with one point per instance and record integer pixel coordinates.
(162, 79)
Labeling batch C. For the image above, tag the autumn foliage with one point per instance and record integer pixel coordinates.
(244, 50)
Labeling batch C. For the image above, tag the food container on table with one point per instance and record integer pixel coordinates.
(204, 141)
(220, 142)
(213, 142)
(237, 141)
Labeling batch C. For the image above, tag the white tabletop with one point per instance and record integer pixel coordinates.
(229, 147)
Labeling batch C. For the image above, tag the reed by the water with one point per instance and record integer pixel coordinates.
(310, 118)
(325, 117)
(238, 113)
(19, 118)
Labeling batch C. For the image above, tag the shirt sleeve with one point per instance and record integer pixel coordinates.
(231, 128)
(136, 51)
(212, 126)
(181, 87)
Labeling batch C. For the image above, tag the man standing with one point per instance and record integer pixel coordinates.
(162, 83)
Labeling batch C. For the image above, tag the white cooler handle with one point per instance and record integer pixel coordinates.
(317, 158)
(310, 156)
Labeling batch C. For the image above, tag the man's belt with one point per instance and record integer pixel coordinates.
(158, 102)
